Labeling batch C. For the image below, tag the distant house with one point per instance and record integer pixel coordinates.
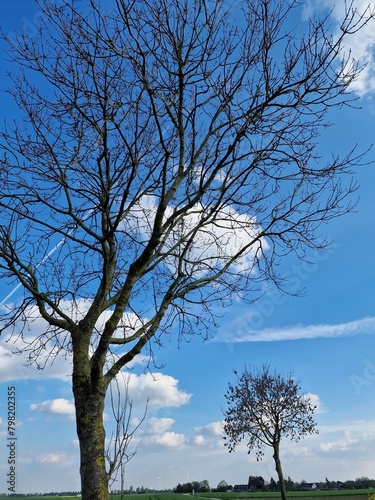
(305, 486)
(309, 486)
(240, 487)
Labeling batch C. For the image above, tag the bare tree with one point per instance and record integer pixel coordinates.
(117, 452)
(263, 407)
(164, 161)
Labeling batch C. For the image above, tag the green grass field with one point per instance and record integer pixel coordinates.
(304, 495)
(295, 495)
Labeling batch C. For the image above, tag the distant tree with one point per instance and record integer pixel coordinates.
(363, 482)
(222, 486)
(273, 485)
(178, 488)
(204, 486)
(263, 407)
(195, 485)
(289, 484)
(163, 161)
(184, 488)
(256, 483)
(348, 485)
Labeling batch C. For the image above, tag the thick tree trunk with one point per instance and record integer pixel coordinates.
(91, 435)
(276, 457)
(89, 397)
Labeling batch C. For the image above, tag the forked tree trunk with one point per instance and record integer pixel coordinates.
(89, 404)
(276, 457)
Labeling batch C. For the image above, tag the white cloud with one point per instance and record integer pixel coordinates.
(15, 349)
(246, 334)
(155, 431)
(13, 365)
(60, 459)
(350, 438)
(315, 400)
(212, 429)
(3, 427)
(199, 440)
(359, 45)
(312, 7)
(59, 406)
(339, 445)
(208, 433)
(170, 440)
(161, 390)
(219, 238)
(158, 425)
(15, 352)
(45, 468)
(222, 238)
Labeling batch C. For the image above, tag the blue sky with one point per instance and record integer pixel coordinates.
(327, 337)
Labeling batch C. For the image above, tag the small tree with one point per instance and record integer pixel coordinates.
(117, 453)
(273, 485)
(222, 486)
(204, 486)
(255, 483)
(165, 154)
(263, 406)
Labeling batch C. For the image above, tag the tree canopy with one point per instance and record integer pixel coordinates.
(264, 406)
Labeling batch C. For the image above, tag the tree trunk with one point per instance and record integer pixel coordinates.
(276, 457)
(91, 435)
(89, 405)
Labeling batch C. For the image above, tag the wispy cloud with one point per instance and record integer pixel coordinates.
(360, 45)
(296, 332)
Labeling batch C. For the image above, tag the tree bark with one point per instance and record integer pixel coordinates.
(276, 457)
(91, 435)
(89, 394)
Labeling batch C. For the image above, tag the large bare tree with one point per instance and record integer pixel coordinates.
(264, 406)
(163, 160)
